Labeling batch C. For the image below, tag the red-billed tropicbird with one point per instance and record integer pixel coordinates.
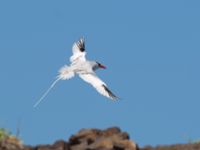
(84, 68)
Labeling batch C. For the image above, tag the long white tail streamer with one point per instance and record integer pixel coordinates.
(45, 94)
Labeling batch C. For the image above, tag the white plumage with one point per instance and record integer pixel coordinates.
(84, 68)
(98, 84)
(78, 50)
(65, 73)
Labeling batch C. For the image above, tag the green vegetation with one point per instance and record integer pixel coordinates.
(4, 134)
(7, 139)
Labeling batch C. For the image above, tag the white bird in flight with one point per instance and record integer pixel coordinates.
(84, 68)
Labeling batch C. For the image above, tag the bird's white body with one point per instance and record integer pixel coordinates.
(66, 72)
(84, 68)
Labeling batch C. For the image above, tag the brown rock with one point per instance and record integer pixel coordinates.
(194, 146)
(109, 139)
(11, 143)
(58, 145)
(61, 145)
(94, 139)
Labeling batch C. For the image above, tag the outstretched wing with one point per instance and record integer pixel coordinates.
(98, 84)
(78, 50)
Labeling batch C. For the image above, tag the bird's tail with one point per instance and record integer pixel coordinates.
(66, 73)
(45, 94)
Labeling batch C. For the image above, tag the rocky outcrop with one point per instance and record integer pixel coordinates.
(93, 139)
(11, 143)
(86, 139)
(194, 146)
(58, 145)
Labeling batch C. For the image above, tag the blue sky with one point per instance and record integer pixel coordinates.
(151, 50)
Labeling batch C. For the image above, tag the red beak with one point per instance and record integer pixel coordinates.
(102, 66)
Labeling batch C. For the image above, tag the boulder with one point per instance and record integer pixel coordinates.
(108, 139)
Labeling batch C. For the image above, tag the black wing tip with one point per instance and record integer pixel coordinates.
(81, 44)
(111, 95)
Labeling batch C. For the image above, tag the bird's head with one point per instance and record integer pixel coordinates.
(98, 66)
